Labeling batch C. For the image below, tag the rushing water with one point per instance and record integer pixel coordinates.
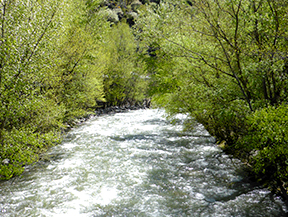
(136, 164)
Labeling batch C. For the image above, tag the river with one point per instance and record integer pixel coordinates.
(136, 163)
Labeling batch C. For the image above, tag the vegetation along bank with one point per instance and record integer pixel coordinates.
(225, 63)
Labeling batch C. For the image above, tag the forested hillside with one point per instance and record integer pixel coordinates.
(222, 62)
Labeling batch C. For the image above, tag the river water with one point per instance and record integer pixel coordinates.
(136, 164)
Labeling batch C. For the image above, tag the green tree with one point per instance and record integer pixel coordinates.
(220, 71)
(27, 29)
(48, 74)
(79, 82)
(124, 74)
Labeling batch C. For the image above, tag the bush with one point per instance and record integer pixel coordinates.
(267, 142)
(21, 147)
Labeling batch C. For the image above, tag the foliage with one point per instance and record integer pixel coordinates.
(79, 82)
(124, 74)
(48, 74)
(266, 142)
(58, 59)
(224, 62)
(22, 147)
(216, 74)
(22, 64)
(27, 116)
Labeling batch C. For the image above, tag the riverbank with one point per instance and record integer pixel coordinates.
(106, 108)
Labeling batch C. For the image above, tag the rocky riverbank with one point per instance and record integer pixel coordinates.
(106, 108)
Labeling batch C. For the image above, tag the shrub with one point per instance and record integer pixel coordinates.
(267, 142)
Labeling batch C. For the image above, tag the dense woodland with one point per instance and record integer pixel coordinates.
(222, 62)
